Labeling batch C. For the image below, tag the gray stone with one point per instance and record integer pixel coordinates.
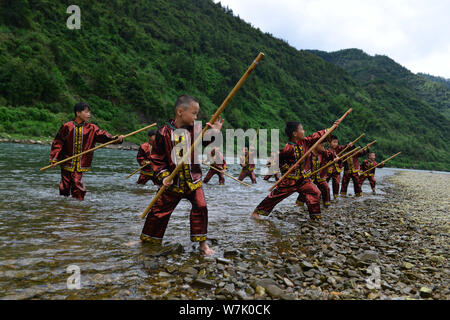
(203, 283)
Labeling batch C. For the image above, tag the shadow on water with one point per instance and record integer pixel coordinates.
(41, 233)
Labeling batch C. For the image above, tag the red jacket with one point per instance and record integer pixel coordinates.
(190, 176)
(217, 160)
(72, 139)
(352, 164)
(292, 152)
(367, 164)
(143, 154)
(319, 161)
(337, 166)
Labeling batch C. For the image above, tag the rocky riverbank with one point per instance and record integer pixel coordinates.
(364, 248)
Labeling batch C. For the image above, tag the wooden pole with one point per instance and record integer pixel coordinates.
(97, 147)
(200, 137)
(135, 171)
(384, 161)
(353, 142)
(333, 127)
(228, 175)
(331, 162)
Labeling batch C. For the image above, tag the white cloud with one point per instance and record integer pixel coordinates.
(414, 33)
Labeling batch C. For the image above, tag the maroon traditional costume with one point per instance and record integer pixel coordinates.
(147, 172)
(296, 181)
(218, 162)
(351, 171)
(248, 168)
(320, 178)
(366, 165)
(187, 184)
(71, 139)
(334, 171)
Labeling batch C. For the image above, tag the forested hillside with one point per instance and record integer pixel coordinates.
(131, 59)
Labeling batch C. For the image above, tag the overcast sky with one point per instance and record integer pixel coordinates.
(415, 33)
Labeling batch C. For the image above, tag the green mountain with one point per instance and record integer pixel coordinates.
(368, 70)
(131, 59)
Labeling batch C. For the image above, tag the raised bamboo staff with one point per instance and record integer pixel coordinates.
(352, 143)
(137, 170)
(97, 147)
(382, 162)
(350, 154)
(200, 137)
(353, 151)
(333, 127)
(331, 162)
(228, 175)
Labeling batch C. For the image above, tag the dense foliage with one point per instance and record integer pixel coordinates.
(131, 59)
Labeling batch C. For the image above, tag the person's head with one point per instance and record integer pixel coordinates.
(334, 142)
(320, 147)
(186, 110)
(245, 150)
(82, 112)
(151, 136)
(372, 156)
(294, 131)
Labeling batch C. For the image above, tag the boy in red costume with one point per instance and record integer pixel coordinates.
(351, 171)
(247, 163)
(72, 138)
(143, 157)
(216, 160)
(366, 165)
(297, 180)
(187, 184)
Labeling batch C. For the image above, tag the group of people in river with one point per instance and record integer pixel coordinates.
(157, 163)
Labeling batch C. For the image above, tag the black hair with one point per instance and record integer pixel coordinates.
(151, 133)
(333, 137)
(80, 106)
(184, 101)
(291, 126)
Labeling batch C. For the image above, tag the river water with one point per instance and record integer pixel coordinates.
(42, 233)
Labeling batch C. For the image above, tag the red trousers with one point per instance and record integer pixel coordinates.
(324, 189)
(71, 184)
(335, 178)
(287, 187)
(346, 180)
(371, 180)
(143, 179)
(277, 176)
(158, 218)
(245, 173)
(211, 173)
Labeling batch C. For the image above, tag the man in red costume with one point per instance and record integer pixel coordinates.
(247, 163)
(297, 180)
(216, 160)
(366, 165)
(143, 158)
(351, 171)
(72, 138)
(170, 143)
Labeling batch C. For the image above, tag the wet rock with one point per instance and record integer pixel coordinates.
(203, 283)
(368, 256)
(274, 291)
(407, 265)
(306, 265)
(288, 282)
(189, 270)
(230, 252)
(167, 250)
(223, 261)
(425, 292)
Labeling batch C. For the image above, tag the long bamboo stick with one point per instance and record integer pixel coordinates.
(97, 147)
(331, 162)
(333, 127)
(353, 142)
(228, 175)
(200, 137)
(138, 169)
(384, 161)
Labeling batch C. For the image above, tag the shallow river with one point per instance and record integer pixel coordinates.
(42, 233)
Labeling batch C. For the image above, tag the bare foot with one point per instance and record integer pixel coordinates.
(132, 243)
(255, 215)
(206, 250)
